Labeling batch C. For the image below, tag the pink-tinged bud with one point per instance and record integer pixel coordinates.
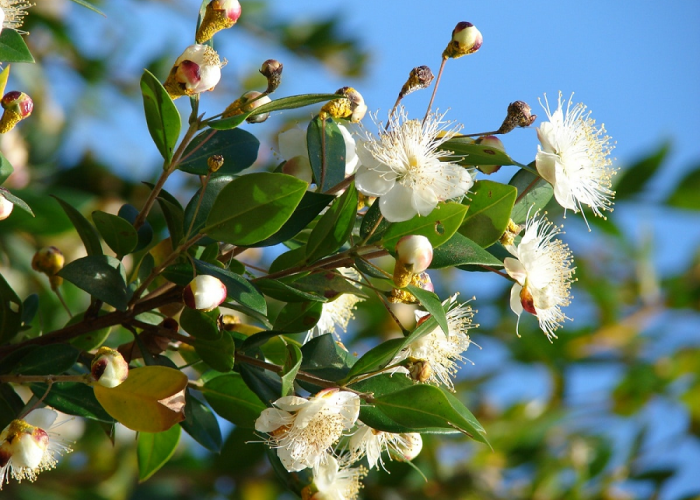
(519, 115)
(423, 281)
(109, 368)
(6, 207)
(415, 252)
(272, 70)
(48, 260)
(493, 142)
(219, 15)
(197, 70)
(466, 39)
(17, 106)
(253, 100)
(411, 446)
(204, 293)
(527, 300)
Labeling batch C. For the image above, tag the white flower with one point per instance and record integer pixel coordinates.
(197, 70)
(403, 167)
(303, 430)
(336, 483)
(204, 293)
(543, 274)
(27, 447)
(372, 443)
(441, 352)
(573, 157)
(337, 313)
(12, 14)
(108, 367)
(293, 148)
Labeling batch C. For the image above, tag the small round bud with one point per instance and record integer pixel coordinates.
(215, 162)
(17, 106)
(420, 78)
(109, 368)
(466, 39)
(415, 252)
(519, 115)
(6, 207)
(219, 15)
(197, 70)
(492, 142)
(412, 445)
(204, 293)
(272, 70)
(48, 260)
(253, 100)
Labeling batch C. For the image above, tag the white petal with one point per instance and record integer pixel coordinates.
(515, 303)
(396, 205)
(563, 194)
(515, 270)
(291, 403)
(293, 143)
(424, 200)
(546, 166)
(373, 182)
(271, 419)
(290, 463)
(351, 158)
(43, 418)
(461, 181)
(210, 75)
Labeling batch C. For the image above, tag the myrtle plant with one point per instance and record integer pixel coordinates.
(356, 212)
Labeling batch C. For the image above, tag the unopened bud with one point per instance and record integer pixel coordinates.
(519, 115)
(351, 108)
(17, 106)
(527, 300)
(494, 142)
(419, 369)
(6, 207)
(466, 39)
(413, 256)
(48, 260)
(419, 78)
(204, 293)
(272, 70)
(215, 162)
(423, 281)
(248, 102)
(108, 367)
(411, 446)
(219, 15)
(197, 70)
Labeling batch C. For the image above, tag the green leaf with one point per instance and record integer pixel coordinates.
(73, 398)
(290, 369)
(291, 102)
(15, 200)
(155, 449)
(369, 221)
(214, 187)
(376, 358)
(201, 423)
(10, 405)
(237, 287)
(633, 179)
(231, 399)
(476, 154)
(238, 147)
(30, 307)
(201, 325)
(253, 207)
(51, 359)
(5, 168)
(13, 48)
(329, 284)
(85, 230)
(217, 353)
(309, 207)
(10, 312)
(432, 304)
(490, 206)
(119, 235)
(335, 226)
(174, 218)
(326, 152)
(537, 191)
(288, 260)
(100, 276)
(324, 358)
(297, 317)
(162, 116)
(281, 291)
(438, 227)
(145, 232)
(90, 6)
(460, 251)
(89, 340)
(686, 193)
(266, 386)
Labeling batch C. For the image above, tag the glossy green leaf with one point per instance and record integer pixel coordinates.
(238, 147)
(85, 230)
(162, 116)
(201, 325)
(13, 48)
(119, 235)
(265, 385)
(290, 369)
(335, 226)
(101, 276)
(461, 251)
(432, 304)
(297, 317)
(5, 168)
(73, 398)
(633, 179)
(327, 153)
(217, 353)
(90, 6)
(476, 154)
(253, 207)
(291, 102)
(174, 218)
(51, 359)
(145, 232)
(16, 200)
(10, 405)
(155, 449)
(10, 311)
(438, 227)
(376, 358)
(533, 194)
(369, 221)
(201, 423)
(329, 284)
(231, 399)
(214, 187)
(324, 358)
(288, 260)
(490, 205)
(281, 291)
(30, 307)
(686, 193)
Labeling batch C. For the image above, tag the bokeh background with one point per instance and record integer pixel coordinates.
(609, 410)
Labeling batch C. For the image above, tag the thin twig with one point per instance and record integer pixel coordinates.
(437, 83)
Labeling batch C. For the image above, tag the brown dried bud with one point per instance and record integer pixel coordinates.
(419, 369)
(215, 162)
(272, 70)
(420, 78)
(518, 116)
(466, 39)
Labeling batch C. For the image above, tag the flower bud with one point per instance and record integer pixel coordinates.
(420, 78)
(219, 15)
(6, 207)
(411, 446)
(272, 70)
(248, 102)
(17, 106)
(413, 256)
(519, 115)
(214, 163)
(197, 70)
(24, 445)
(352, 108)
(204, 293)
(419, 369)
(493, 142)
(48, 260)
(109, 368)
(466, 39)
